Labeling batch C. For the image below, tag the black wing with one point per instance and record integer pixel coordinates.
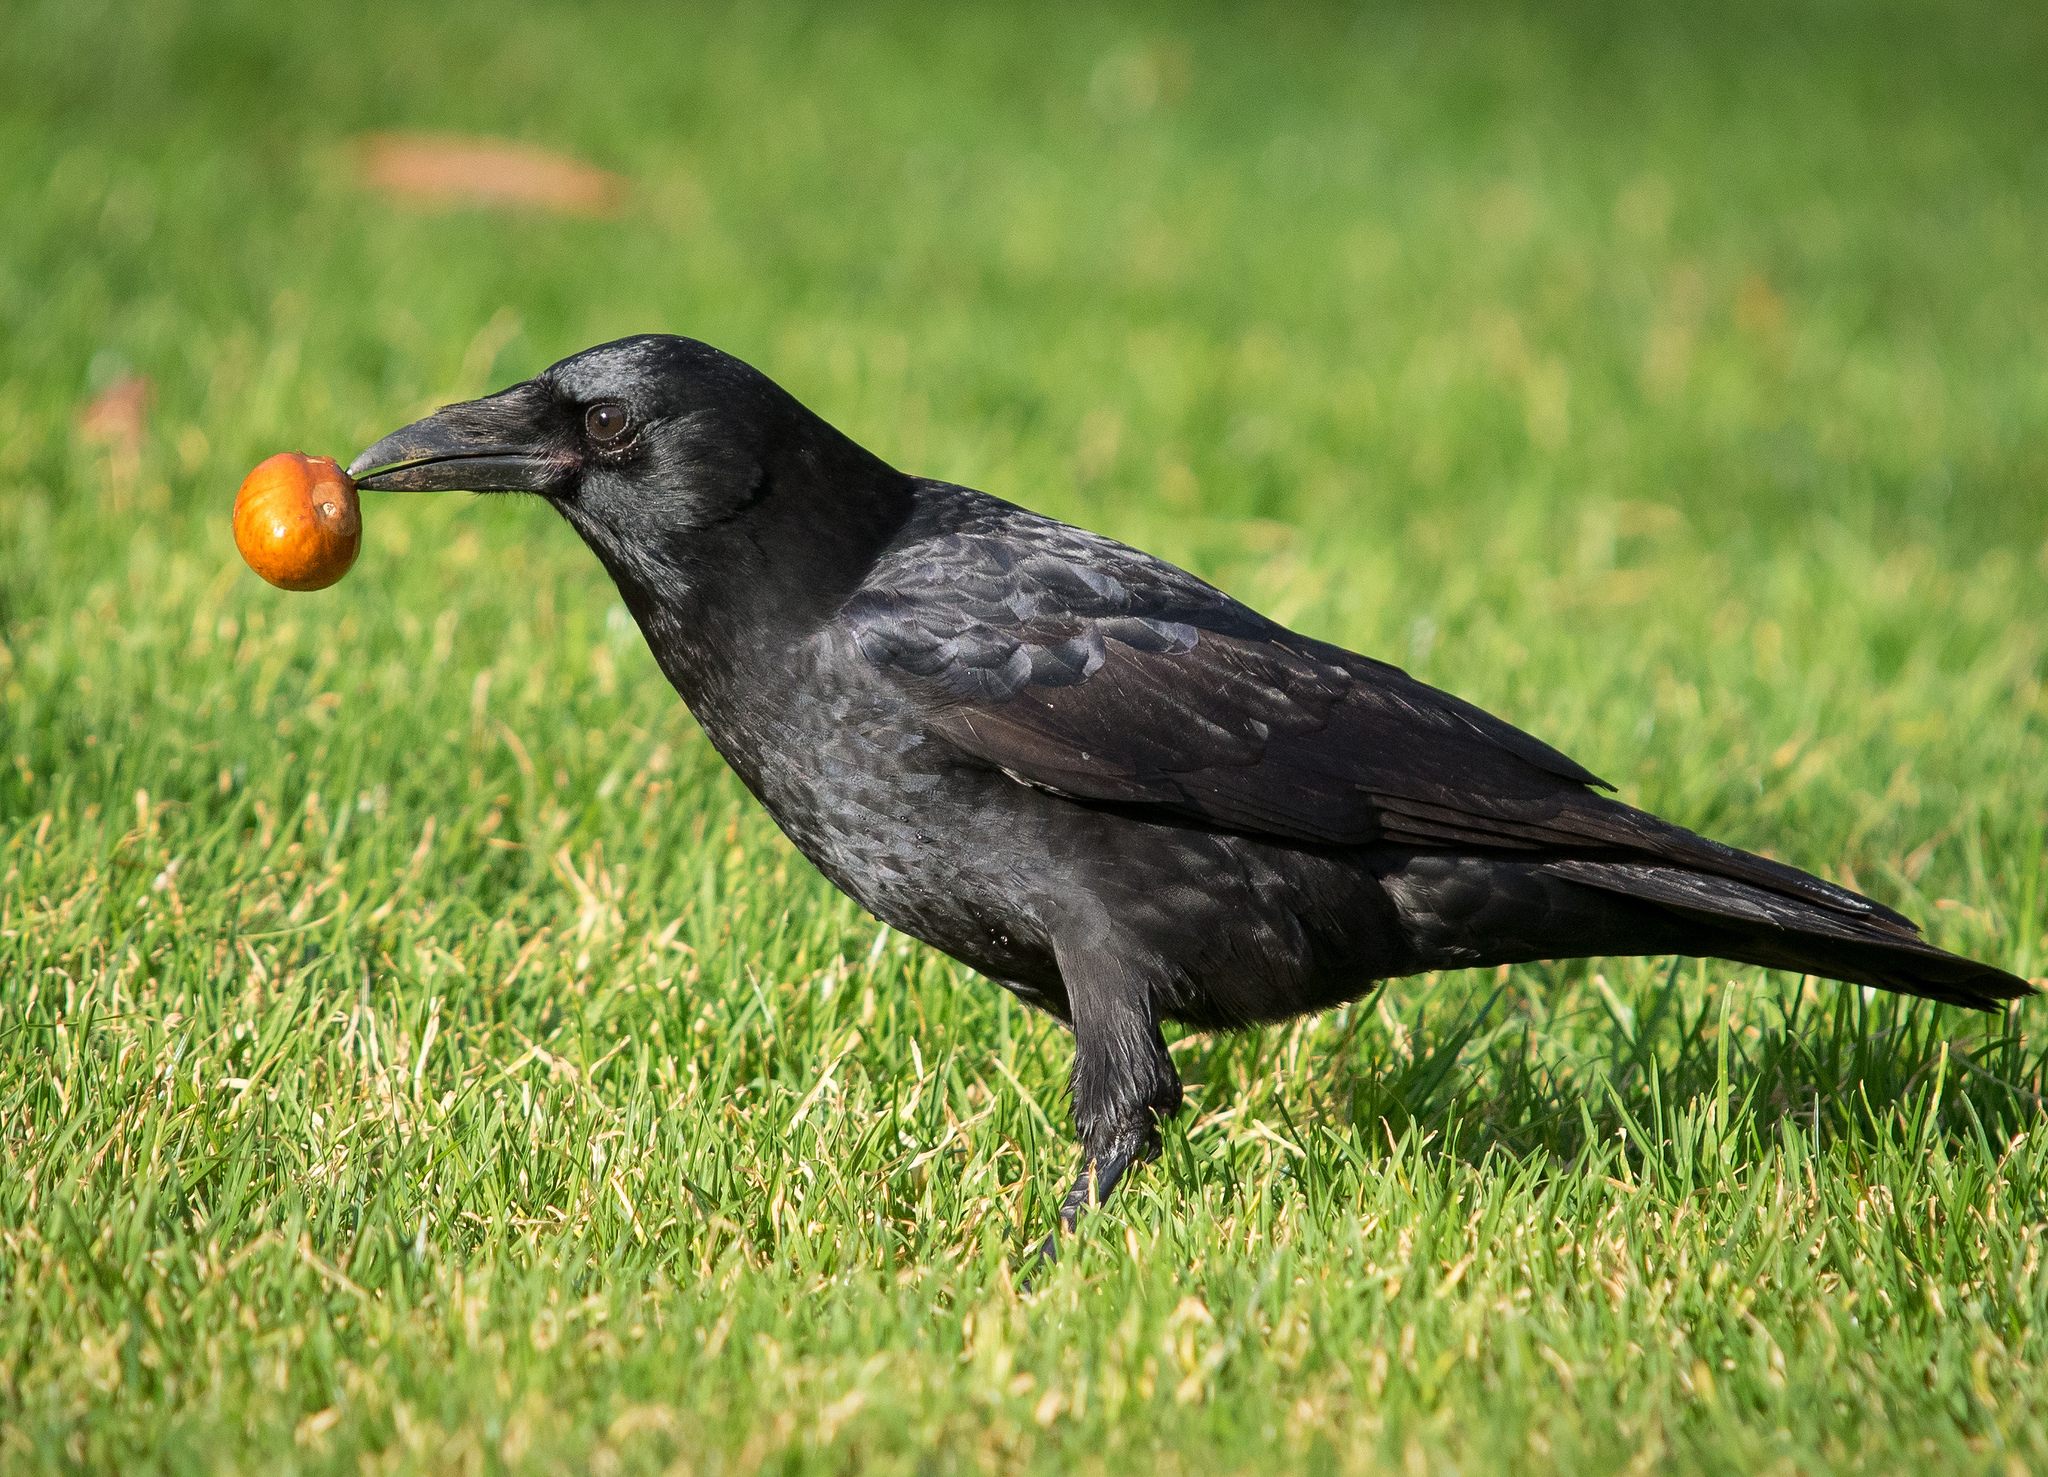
(1082, 666)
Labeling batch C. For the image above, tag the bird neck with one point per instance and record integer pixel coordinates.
(724, 608)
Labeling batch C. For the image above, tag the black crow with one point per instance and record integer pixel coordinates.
(1082, 771)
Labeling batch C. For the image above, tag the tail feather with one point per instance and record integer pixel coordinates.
(1789, 927)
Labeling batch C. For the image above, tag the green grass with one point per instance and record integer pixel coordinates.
(417, 1054)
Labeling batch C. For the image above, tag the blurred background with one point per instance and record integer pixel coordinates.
(1673, 380)
(1335, 264)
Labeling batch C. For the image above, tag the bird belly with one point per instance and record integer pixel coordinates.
(1227, 930)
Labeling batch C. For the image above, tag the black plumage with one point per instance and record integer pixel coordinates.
(1088, 774)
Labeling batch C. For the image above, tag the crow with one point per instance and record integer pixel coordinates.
(1085, 773)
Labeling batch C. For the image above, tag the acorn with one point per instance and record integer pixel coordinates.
(297, 521)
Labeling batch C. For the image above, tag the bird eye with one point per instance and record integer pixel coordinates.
(606, 422)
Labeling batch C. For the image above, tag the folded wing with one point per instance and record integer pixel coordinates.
(1081, 666)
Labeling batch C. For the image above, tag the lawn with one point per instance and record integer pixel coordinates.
(417, 1053)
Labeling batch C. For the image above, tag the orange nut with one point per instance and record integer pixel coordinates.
(297, 521)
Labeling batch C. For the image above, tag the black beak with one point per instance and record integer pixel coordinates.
(501, 443)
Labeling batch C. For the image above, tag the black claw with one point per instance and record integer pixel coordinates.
(1091, 1188)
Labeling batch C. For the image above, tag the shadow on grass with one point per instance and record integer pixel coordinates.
(1835, 1064)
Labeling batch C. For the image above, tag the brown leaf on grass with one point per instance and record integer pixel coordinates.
(118, 417)
(451, 169)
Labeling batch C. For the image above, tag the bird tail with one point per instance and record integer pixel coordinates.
(1776, 916)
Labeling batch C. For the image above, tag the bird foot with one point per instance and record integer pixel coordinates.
(1098, 1177)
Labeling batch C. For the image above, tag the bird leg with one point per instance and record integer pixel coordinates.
(1124, 1086)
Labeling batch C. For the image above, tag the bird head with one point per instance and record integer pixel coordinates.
(681, 466)
(644, 433)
